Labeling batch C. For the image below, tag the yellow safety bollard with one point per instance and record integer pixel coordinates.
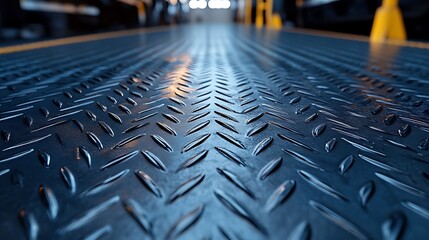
(271, 20)
(261, 6)
(388, 23)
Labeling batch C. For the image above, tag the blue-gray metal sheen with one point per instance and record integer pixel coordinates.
(215, 132)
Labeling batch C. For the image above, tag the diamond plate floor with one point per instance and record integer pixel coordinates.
(215, 132)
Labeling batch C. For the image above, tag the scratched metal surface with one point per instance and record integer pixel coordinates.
(215, 132)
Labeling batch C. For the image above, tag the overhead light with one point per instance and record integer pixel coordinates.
(194, 4)
(219, 4)
(202, 4)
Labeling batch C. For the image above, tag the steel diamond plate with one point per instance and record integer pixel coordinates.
(215, 132)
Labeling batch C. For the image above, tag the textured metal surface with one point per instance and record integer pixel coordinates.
(212, 132)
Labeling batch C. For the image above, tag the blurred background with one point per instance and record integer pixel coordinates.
(29, 20)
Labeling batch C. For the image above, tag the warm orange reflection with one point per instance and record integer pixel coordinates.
(380, 61)
(382, 55)
(180, 70)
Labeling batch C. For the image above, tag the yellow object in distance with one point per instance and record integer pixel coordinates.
(388, 23)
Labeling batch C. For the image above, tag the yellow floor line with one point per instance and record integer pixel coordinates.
(354, 37)
(78, 39)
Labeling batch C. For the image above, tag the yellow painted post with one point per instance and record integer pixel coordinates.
(260, 7)
(248, 12)
(268, 12)
(388, 23)
(141, 12)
